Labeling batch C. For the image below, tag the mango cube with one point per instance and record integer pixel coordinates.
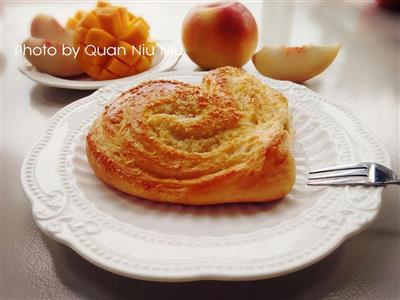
(112, 42)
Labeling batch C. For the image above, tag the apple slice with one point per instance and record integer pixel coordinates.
(47, 27)
(296, 64)
(47, 32)
(58, 64)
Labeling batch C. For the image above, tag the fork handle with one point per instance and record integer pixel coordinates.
(393, 182)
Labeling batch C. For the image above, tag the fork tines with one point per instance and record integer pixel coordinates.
(353, 174)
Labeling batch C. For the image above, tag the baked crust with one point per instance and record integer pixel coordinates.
(227, 140)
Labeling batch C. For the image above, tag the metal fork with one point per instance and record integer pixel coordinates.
(364, 173)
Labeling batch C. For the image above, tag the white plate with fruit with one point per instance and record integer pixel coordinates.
(105, 45)
(164, 60)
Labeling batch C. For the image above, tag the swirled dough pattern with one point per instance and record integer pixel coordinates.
(227, 140)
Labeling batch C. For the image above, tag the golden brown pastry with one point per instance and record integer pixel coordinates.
(227, 140)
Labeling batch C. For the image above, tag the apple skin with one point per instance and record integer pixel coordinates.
(389, 4)
(219, 34)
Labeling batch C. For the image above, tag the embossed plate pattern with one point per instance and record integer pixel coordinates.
(155, 241)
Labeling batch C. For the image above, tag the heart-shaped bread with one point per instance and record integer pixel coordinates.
(227, 140)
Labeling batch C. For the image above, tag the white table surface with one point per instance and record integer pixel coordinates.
(364, 77)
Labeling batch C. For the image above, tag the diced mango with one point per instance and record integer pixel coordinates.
(132, 71)
(98, 60)
(112, 42)
(129, 57)
(124, 15)
(110, 20)
(131, 17)
(117, 67)
(89, 21)
(92, 70)
(80, 14)
(147, 25)
(102, 4)
(137, 33)
(80, 35)
(71, 23)
(100, 38)
(143, 64)
(106, 75)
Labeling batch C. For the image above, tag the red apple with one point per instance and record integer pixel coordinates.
(389, 4)
(219, 34)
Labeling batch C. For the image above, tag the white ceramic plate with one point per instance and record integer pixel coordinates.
(142, 239)
(166, 56)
